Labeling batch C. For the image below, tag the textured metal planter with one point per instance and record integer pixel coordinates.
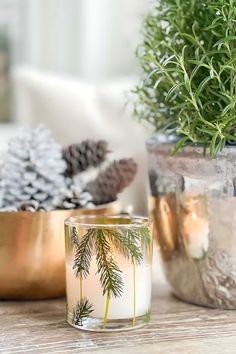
(194, 208)
(32, 252)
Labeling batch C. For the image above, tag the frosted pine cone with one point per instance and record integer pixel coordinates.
(74, 196)
(112, 181)
(33, 170)
(79, 157)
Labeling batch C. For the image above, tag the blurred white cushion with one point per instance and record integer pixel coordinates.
(7, 131)
(76, 110)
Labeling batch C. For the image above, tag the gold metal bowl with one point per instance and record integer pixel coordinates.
(32, 252)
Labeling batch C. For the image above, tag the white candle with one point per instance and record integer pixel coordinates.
(195, 227)
(121, 307)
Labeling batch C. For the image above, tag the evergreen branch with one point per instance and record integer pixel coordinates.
(75, 237)
(139, 236)
(81, 312)
(134, 240)
(128, 243)
(83, 254)
(145, 235)
(129, 247)
(110, 274)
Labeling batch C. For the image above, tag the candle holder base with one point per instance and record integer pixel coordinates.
(114, 325)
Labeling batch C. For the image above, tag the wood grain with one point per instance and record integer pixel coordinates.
(176, 327)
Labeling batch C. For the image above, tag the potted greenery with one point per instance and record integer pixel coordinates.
(188, 93)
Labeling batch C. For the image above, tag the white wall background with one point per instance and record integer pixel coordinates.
(9, 21)
(94, 39)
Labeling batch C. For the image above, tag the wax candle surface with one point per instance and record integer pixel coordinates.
(121, 307)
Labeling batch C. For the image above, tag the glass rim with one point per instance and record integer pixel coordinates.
(83, 221)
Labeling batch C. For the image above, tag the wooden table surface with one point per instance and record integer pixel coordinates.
(176, 327)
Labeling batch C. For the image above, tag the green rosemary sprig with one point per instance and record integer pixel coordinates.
(82, 311)
(188, 58)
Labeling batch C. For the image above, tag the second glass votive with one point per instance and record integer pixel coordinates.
(108, 272)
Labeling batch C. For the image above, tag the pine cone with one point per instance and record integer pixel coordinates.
(74, 197)
(79, 157)
(32, 206)
(117, 176)
(33, 171)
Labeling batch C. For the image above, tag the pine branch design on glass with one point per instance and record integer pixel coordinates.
(127, 244)
(147, 317)
(104, 241)
(83, 255)
(145, 235)
(82, 311)
(110, 273)
(75, 237)
(137, 237)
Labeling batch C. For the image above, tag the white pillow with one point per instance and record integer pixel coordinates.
(7, 131)
(76, 110)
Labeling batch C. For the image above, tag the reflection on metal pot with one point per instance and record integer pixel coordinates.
(194, 209)
(194, 226)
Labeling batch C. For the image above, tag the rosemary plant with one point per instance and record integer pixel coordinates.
(189, 61)
(104, 241)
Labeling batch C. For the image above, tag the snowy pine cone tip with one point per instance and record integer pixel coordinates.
(79, 157)
(112, 181)
(32, 173)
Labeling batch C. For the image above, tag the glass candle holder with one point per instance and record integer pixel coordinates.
(108, 272)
